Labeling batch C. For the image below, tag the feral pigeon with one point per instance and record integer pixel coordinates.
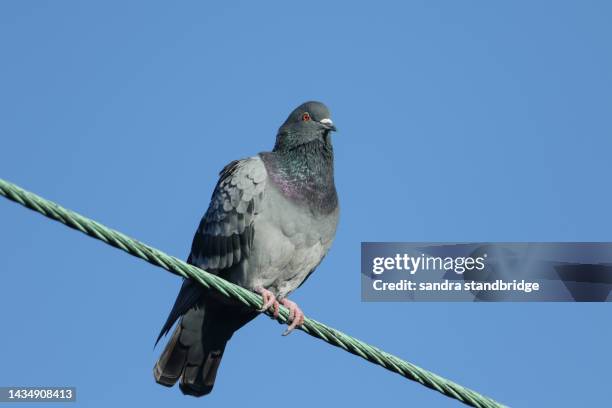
(271, 220)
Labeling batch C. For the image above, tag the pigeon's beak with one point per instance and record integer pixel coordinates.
(328, 124)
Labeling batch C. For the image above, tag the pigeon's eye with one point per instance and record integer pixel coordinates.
(305, 116)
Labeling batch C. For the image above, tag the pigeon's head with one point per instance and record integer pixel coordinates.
(308, 122)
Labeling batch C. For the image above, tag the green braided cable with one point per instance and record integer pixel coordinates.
(230, 290)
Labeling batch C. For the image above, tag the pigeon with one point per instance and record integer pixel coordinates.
(271, 221)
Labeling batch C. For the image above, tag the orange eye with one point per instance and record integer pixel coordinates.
(306, 117)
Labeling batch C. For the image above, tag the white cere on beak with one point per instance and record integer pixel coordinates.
(327, 121)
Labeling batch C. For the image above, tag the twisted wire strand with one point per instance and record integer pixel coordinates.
(174, 265)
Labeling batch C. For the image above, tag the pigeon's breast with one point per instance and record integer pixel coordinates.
(290, 241)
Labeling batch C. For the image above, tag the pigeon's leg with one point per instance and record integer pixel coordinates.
(269, 300)
(295, 315)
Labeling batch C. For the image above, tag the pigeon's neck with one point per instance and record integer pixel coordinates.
(305, 174)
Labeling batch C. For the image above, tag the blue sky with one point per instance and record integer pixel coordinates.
(459, 121)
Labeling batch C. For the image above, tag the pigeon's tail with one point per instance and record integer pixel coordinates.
(189, 358)
(194, 352)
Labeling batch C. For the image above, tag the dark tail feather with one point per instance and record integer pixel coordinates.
(194, 352)
(188, 297)
(198, 379)
(169, 367)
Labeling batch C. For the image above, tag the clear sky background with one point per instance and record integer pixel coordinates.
(459, 121)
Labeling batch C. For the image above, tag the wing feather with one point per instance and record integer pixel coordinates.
(225, 235)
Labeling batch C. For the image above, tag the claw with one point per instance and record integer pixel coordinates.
(296, 316)
(269, 300)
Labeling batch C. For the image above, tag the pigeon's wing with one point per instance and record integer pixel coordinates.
(225, 234)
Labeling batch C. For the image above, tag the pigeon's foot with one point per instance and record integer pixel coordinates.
(296, 316)
(269, 300)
